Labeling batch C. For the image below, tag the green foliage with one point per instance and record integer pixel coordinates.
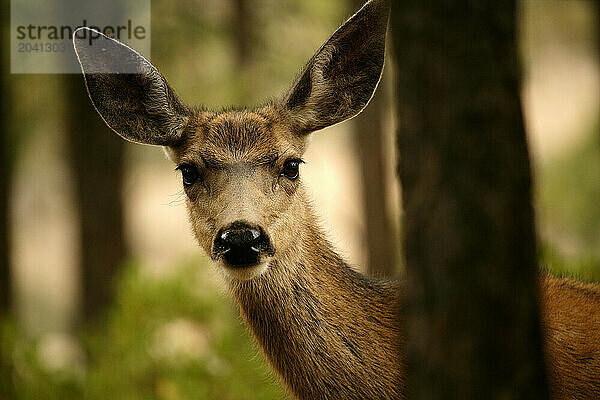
(584, 268)
(168, 338)
(568, 198)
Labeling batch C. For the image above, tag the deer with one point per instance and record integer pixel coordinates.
(328, 331)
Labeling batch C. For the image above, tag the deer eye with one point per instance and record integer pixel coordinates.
(291, 168)
(189, 174)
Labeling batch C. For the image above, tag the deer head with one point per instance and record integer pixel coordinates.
(240, 169)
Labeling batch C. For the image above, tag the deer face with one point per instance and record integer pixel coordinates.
(241, 174)
(240, 169)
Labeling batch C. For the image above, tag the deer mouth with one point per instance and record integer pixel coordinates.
(242, 257)
(241, 245)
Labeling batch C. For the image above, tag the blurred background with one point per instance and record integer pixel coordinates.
(105, 293)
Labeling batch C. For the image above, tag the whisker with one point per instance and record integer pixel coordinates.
(178, 200)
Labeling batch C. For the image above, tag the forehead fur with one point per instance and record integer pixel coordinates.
(256, 136)
(230, 136)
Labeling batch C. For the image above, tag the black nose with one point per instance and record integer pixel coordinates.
(241, 244)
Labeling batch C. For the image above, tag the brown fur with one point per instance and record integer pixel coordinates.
(571, 326)
(328, 331)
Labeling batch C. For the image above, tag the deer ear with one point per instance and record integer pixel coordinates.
(340, 79)
(128, 92)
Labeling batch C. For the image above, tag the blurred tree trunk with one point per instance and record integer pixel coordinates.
(369, 138)
(598, 49)
(6, 169)
(242, 36)
(97, 164)
(6, 161)
(472, 316)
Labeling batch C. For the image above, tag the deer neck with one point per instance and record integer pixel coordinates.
(328, 331)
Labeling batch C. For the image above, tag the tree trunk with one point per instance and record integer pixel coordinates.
(97, 159)
(6, 161)
(597, 3)
(242, 36)
(472, 315)
(369, 138)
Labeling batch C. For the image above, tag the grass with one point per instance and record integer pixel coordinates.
(170, 338)
(584, 268)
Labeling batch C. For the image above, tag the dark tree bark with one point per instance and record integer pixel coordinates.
(97, 159)
(6, 158)
(472, 294)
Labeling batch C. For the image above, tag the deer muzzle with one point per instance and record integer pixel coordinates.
(241, 245)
